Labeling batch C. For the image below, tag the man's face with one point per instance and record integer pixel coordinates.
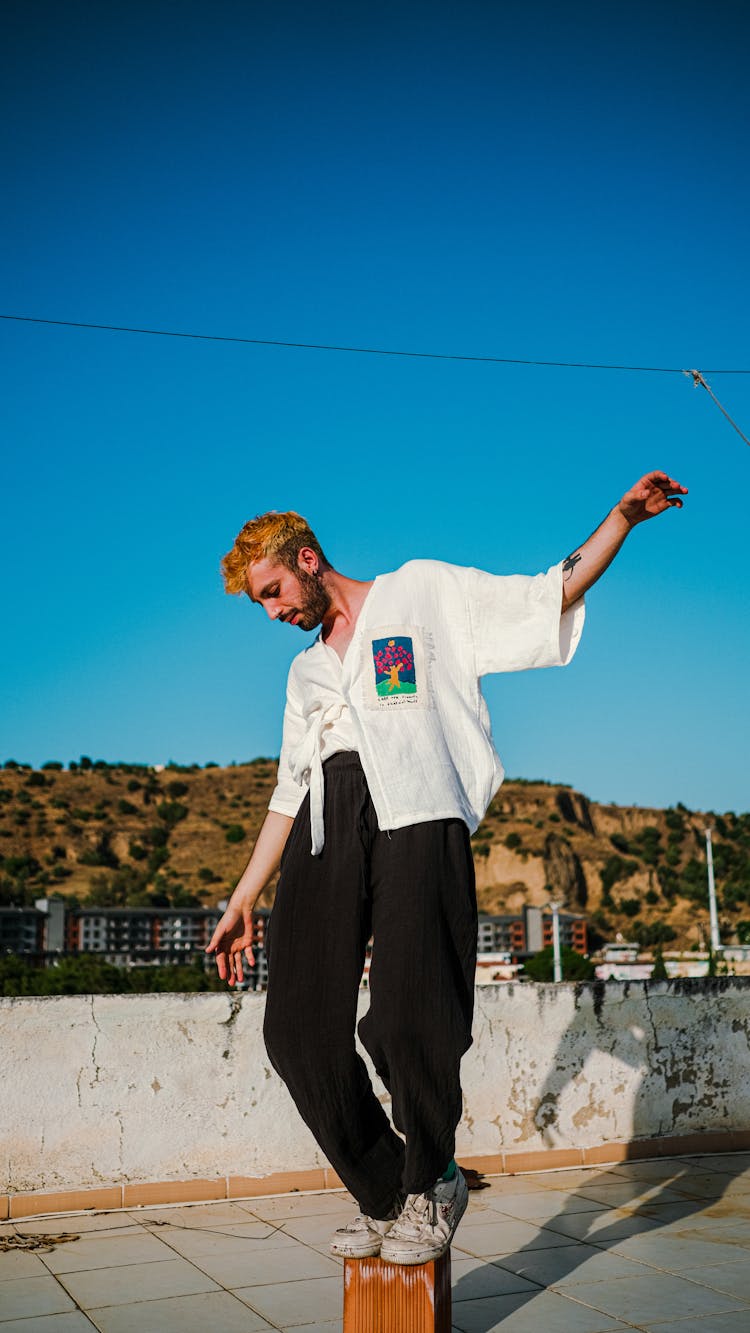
(297, 599)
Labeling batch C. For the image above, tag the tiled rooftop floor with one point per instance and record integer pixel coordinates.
(659, 1245)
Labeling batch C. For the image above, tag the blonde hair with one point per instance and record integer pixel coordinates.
(269, 535)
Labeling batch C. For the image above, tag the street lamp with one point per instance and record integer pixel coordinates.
(556, 957)
(713, 913)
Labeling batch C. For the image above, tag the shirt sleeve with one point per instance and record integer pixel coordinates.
(517, 622)
(288, 794)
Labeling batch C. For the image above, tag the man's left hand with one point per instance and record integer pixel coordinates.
(650, 496)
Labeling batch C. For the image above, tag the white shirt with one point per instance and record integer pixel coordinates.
(407, 695)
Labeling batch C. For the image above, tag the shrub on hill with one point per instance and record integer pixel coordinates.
(614, 869)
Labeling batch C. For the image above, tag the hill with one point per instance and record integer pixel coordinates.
(128, 834)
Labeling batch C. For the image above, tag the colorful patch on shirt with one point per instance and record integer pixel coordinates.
(394, 669)
(393, 660)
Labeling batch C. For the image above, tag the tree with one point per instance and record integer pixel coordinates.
(172, 812)
(659, 971)
(574, 966)
(658, 932)
(102, 853)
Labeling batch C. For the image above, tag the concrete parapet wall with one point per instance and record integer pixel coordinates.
(111, 1090)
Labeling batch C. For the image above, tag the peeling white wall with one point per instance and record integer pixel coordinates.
(128, 1088)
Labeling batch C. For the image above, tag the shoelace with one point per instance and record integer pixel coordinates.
(416, 1207)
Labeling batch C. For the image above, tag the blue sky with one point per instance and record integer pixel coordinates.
(539, 181)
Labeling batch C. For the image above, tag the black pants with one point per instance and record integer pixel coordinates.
(412, 889)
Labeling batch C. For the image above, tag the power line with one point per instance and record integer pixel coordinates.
(366, 351)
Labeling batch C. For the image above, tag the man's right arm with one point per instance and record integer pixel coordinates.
(233, 936)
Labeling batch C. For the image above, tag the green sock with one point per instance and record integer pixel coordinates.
(450, 1170)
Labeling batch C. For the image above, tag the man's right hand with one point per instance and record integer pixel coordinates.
(232, 938)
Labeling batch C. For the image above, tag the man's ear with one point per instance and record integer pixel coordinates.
(307, 560)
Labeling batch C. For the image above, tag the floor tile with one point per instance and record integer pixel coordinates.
(604, 1228)
(77, 1222)
(577, 1177)
(670, 1168)
(505, 1236)
(325, 1250)
(299, 1205)
(652, 1297)
(335, 1327)
(511, 1185)
(314, 1230)
(732, 1162)
(546, 1311)
(571, 1264)
(29, 1297)
(732, 1203)
(723, 1227)
(20, 1263)
(294, 1264)
(193, 1215)
(737, 1321)
(678, 1254)
(249, 1238)
(630, 1193)
(713, 1184)
(474, 1278)
(73, 1322)
(667, 1213)
(733, 1278)
(117, 1286)
(697, 1218)
(288, 1304)
(478, 1209)
(544, 1205)
(181, 1314)
(106, 1250)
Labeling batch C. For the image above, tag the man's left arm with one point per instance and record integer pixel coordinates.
(650, 496)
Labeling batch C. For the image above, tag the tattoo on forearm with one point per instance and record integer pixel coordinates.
(570, 564)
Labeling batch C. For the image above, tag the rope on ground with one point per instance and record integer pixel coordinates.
(697, 379)
(41, 1241)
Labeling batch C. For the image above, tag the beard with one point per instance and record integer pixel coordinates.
(314, 600)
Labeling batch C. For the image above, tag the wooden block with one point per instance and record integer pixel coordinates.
(397, 1298)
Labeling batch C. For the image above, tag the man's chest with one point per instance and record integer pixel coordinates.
(339, 642)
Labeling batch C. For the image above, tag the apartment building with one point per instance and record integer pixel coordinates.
(124, 936)
(530, 932)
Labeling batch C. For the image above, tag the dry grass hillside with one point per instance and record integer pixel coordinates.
(126, 834)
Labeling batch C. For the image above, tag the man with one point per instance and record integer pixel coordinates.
(387, 766)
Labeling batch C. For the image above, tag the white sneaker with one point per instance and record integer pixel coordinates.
(361, 1238)
(425, 1228)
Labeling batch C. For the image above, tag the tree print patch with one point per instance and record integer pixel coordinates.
(394, 668)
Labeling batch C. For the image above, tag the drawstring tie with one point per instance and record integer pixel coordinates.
(306, 765)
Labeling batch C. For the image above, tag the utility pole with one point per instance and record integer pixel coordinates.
(557, 960)
(713, 913)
